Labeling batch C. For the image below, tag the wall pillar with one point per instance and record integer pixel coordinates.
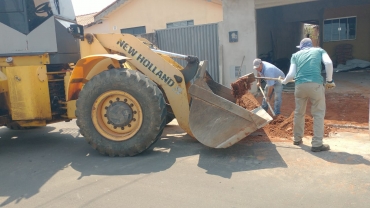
(239, 16)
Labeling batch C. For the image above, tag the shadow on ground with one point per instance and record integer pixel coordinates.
(29, 158)
(337, 157)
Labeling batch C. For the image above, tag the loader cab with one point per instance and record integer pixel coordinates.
(38, 26)
(37, 12)
(26, 15)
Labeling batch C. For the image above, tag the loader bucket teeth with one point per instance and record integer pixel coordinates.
(215, 120)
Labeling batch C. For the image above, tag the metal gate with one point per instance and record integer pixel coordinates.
(200, 41)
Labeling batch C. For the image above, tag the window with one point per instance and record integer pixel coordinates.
(24, 15)
(340, 29)
(180, 24)
(38, 11)
(11, 6)
(134, 30)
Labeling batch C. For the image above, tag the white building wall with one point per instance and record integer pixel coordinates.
(239, 15)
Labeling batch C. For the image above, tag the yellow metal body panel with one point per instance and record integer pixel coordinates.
(67, 77)
(25, 60)
(3, 77)
(4, 95)
(88, 67)
(29, 97)
(96, 47)
(3, 81)
(71, 109)
(102, 66)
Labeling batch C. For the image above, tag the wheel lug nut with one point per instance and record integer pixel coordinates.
(117, 99)
(129, 125)
(122, 128)
(135, 112)
(132, 105)
(106, 107)
(108, 122)
(110, 102)
(115, 127)
(125, 100)
(134, 119)
(105, 115)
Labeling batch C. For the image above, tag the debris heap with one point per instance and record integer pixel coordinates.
(281, 126)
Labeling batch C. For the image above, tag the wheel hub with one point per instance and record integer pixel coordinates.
(119, 114)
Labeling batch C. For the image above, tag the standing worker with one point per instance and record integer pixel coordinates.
(265, 69)
(305, 68)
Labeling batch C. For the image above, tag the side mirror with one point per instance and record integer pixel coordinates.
(77, 31)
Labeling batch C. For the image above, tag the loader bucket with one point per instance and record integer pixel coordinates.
(215, 120)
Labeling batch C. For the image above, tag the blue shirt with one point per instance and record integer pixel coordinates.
(270, 70)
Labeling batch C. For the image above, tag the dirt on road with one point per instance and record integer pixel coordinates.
(344, 112)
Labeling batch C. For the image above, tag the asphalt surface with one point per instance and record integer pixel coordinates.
(54, 167)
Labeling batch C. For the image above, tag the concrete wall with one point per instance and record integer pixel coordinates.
(239, 15)
(156, 14)
(361, 45)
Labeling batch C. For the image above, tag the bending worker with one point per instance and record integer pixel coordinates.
(265, 69)
(305, 67)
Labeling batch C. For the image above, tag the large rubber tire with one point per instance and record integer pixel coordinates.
(141, 89)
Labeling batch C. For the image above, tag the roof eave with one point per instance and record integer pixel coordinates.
(109, 9)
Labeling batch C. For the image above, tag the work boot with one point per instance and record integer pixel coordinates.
(323, 147)
(297, 143)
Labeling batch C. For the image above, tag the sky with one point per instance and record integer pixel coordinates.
(89, 6)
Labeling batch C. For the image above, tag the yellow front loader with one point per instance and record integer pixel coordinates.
(121, 89)
(123, 99)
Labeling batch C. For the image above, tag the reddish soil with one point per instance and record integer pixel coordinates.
(341, 109)
(344, 112)
(240, 87)
(248, 101)
(244, 98)
(282, 127)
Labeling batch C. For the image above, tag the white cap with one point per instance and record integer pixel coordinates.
(257, 63)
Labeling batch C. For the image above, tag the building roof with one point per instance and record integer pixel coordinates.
(118, 3)
(97, 17)
(85, 19)
(110, 8)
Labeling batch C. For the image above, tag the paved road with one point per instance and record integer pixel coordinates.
(54, 167)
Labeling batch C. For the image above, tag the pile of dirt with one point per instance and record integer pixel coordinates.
(248, 101)
(339, 111)
(282, 127)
